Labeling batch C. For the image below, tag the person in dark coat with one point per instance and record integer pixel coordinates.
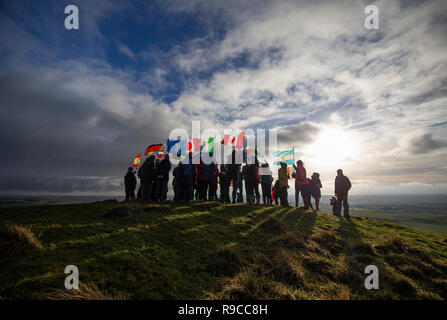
(162, 173)
(233, 173)
(177, 172)
(266, 183)
(146, 175)
(250, 172)
(315, 189)
(213, 184)
(342, 187)
(187, 179)
(130, 183)
(224, 181)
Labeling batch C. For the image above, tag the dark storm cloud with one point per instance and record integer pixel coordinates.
(47, 131)
(426, 144)
(303, 133)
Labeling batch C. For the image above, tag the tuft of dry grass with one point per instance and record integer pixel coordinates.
(89, 291)
(16, 240)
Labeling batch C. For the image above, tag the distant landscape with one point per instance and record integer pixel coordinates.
(426, 212)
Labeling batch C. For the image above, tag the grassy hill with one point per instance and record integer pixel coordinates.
(208, 250)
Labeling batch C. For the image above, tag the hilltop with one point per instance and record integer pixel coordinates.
(209, 250)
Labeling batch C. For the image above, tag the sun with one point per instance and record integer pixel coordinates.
(333, 148)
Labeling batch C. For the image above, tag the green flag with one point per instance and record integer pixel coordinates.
(210, 144)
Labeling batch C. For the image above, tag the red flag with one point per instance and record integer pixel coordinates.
(225, 140)
(196, 143)
(232, 140)
(240, 140)
(189, 146)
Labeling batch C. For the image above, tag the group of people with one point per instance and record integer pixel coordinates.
(200, 182)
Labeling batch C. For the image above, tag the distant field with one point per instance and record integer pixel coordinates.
(427, 221)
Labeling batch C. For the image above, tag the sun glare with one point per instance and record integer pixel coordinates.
(332, 148)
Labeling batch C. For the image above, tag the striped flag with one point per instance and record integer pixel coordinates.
(153, 148)
(136, 161)
(286, 156)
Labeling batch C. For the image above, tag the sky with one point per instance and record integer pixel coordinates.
(77, 105)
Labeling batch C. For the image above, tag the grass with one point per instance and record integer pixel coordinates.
(209, 250)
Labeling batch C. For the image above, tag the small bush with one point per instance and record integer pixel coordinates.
(88, 291)
(17, 240)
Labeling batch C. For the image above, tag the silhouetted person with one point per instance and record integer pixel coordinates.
(240, 185)
(342, 187)
(224, 181)
(208, 177)
(200, 186)
(283, 184)
(213, 185)
(177, 172)
(130, 183)
(187, 179)
(306, 194)
(146, 175)
(162, 172)
(315, 189)
(233, 172)
(300, 183)
(266, 183)
(250, 173)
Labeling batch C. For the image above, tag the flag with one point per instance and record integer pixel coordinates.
(286, 156)
(225, 140)
(153, 148)
(196, 144)
(240, 140)
(210, 145)
(177, 147)
(136, 162)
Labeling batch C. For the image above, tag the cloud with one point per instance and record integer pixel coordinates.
(426, 144)
(74, 105)
(303, 133)
(125, 50)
